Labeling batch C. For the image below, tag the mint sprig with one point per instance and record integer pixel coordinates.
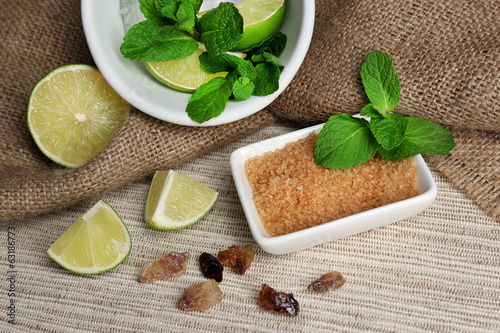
(346, 141)
(250, 79)
(172, 31)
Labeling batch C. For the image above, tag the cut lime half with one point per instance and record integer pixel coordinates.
(73, 112)
(176, 201)
(97, 242)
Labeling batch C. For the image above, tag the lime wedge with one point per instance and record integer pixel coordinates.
(72, 114)
(183, 74)
(97, 242)
(176, 201)
(261, 19)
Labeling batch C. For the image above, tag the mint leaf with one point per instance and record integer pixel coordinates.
(405, 150)
(266, 57)
(191, 5)
(168, 8)
(243, 88)
(421, 137)
(370, 112)
(245, 68)
(380, 81)
(220, 28)
(345, 142)
(210, 99)
(187, 25)
(151, 40)
(274, 44)
(186, 14)
(220, 63)
(183, 12)
(148, 8)
(389, 131)
(225, 63)
(267, 81)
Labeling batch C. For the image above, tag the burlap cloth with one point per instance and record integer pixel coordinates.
(438, 271)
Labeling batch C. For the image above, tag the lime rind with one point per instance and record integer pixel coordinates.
(101, 204)
(257, 28)
(160, 219)
(161, 225)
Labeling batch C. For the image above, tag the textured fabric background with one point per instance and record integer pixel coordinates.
(446, 54)
(34, 42)
(436, 272)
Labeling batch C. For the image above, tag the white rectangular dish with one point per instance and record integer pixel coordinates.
(333, 230)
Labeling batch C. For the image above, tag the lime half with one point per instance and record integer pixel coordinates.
(176, 201)
(72, 114)
(261, 19)
(183, 74)
(97, 242)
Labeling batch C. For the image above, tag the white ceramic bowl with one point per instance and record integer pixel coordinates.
(104, 31)
(333, 230)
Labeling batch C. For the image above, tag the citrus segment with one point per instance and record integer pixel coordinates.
(72, 114)
(261, 19)
(96, 242)
(176, 201)
(183, 74)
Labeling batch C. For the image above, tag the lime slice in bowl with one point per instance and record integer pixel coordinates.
(176, 201)
(183, 74)
(73, 112)
(261, 19)
(97, 242)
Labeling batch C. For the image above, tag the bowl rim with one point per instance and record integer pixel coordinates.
(238, 157)
(148, 95)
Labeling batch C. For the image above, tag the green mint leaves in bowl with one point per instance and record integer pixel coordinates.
(175, 29)
(346, 141)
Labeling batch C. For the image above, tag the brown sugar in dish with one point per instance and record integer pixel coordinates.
(292, 193)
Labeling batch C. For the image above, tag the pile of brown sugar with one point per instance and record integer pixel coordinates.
(292, 193)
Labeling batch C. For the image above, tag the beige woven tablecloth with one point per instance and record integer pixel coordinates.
(447, 56)
(436, 272)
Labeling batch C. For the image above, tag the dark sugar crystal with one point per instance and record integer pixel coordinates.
(211, 267)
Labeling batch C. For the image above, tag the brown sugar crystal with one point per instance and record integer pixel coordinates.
(328, 281)
(277, 301)
(172, 264)
(201, 297)
(238, 258)
(292, 193)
